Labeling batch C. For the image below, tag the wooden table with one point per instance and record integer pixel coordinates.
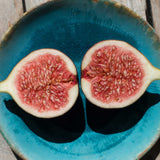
(12, 10)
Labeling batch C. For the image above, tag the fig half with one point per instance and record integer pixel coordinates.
(115, 74)
(44, 83)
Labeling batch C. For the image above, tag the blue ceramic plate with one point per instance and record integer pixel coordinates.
(86, 132)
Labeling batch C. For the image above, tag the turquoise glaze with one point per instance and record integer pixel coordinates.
(86, 132)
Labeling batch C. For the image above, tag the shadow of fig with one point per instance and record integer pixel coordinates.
(109, 121)
(65, 128)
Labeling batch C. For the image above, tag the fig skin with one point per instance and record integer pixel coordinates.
(9, 85)
(147, 69)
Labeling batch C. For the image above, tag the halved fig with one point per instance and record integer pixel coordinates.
(44, 83)
(115, 74)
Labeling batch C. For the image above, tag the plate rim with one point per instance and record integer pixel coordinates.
(116, 4)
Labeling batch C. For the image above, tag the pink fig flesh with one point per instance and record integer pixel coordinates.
(44, 83)
(115, 75)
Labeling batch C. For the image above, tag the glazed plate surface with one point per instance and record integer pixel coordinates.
(86, 132)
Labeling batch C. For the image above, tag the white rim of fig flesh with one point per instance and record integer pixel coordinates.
(150, 73)
(9, 86)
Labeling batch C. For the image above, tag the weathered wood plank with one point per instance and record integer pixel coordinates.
(10, 11)
(5, 151)
(138, 6)
(33, 3)
(155, 5)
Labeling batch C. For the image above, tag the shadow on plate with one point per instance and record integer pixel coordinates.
(65, 128)
(108, 121)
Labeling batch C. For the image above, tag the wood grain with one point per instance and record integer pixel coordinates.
(138, 6)
(33, 3)
(10, 11)
(155, 6)
(5, 151)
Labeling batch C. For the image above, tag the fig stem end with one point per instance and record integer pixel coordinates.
(4, 86)
(155, 74)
